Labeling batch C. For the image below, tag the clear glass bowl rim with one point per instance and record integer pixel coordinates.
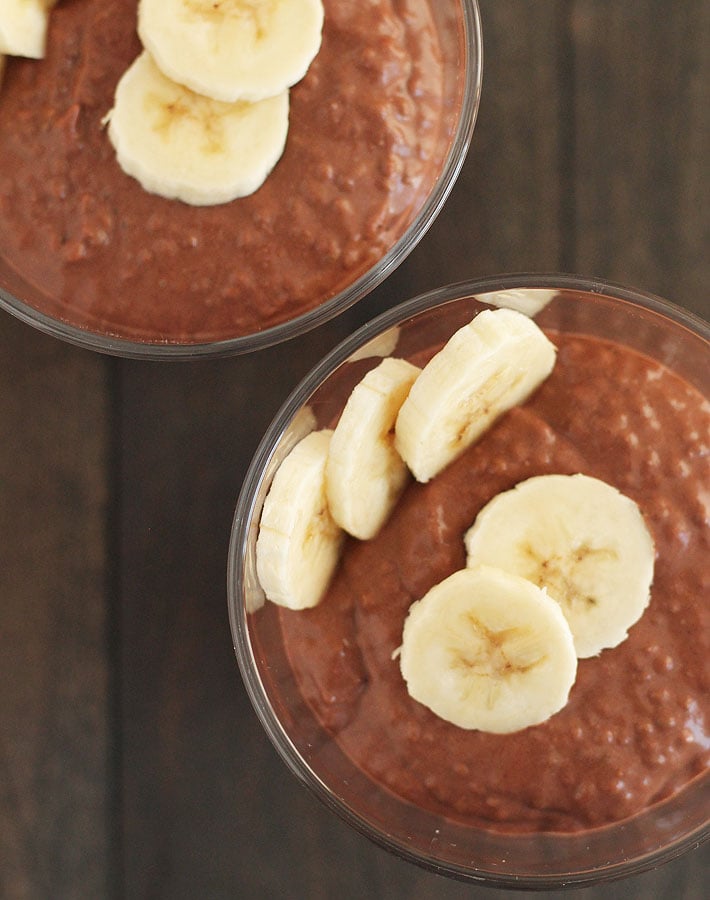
(240, 535)
(131, 349)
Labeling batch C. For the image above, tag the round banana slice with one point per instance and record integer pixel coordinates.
(488, 650)
(299, 544)
(183, 146)
(486, 367)
(364, 474)
(23, 27)
(580, 538)
(232, 49)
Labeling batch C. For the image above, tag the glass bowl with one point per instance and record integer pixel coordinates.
(81, 283)
(550, 858)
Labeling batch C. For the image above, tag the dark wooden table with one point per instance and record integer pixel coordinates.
(132, 765)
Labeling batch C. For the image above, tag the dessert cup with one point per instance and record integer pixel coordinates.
(545, 860)
(78, 317)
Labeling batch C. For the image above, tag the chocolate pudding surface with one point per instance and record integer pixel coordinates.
(636, 728)
(363, 150)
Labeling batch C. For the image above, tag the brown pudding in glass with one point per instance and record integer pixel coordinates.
(636, 728)
(363, 151)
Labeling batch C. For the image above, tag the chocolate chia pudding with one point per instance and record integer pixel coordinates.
(636, 728)
(367, 137)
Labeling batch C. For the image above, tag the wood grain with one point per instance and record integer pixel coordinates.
(641, 145)
(55, 781)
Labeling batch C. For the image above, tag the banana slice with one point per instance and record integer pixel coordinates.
(232, 49)
(183, 146)
(364, 474)
(581, 539)
(486, 367)
(383, 344)
(530, 301)
(488, 650)
(23, 27)
(298, 545)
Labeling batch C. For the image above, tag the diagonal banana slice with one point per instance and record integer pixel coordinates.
(580, 538)
(488, 650)
(486, 367)
(232, 49)
(364, 474)
(181, 145)
(23, 27)
(298, 545)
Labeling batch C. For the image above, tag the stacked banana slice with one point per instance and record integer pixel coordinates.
(23, 28)
(202, 114)
(333, 482)
(558, 568)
